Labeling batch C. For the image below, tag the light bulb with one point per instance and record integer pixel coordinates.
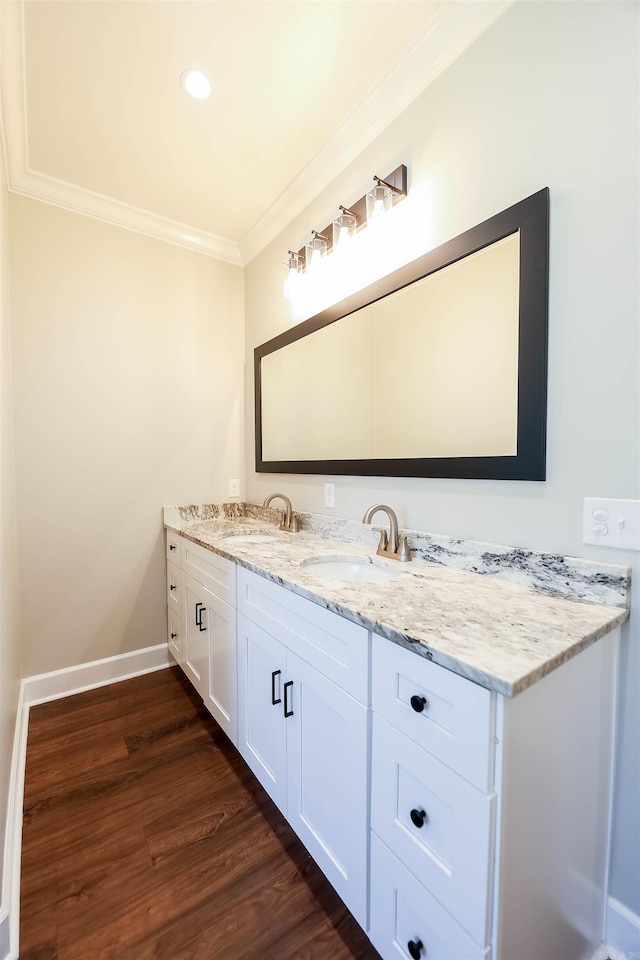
(196, 84)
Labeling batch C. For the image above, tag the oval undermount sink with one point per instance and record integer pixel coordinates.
(251, 538)
(349, 568)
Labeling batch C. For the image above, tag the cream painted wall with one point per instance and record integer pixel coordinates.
(127, 371)
(548, 96)
(10, 666)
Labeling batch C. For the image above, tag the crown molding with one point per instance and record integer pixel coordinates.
(454, 28)
(38, 186)
(450, 32)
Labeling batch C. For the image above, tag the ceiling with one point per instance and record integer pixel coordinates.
(95, 118)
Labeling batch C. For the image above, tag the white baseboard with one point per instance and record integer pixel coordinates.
(623, 931)
(10, 910)
(87, 676)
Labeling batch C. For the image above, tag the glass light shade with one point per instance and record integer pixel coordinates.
(379, 200)
(344, 228)
(293, 271)
(315, 252)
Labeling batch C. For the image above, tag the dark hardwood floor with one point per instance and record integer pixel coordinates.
(146, 836)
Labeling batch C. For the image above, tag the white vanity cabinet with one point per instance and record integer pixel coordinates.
(489, 814)
(454, 822)
(205, 641)
(303, 725)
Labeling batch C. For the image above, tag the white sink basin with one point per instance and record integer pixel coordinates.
(251, 538)
(349, 568)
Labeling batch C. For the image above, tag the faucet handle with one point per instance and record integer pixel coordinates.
(295, 524)
(404, 551)
(384, 542)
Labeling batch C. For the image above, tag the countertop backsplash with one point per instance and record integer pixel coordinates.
(571, 577)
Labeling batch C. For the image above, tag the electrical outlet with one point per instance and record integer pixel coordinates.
(329, 494)
(611, 523)
(234, 488)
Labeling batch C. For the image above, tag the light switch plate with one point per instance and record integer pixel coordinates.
(611, 523)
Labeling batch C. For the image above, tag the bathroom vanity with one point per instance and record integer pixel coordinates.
(441, 741)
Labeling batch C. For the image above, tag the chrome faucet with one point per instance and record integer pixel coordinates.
(290, 521)
(391, 545)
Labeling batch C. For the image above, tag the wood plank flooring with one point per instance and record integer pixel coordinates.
(146, 836)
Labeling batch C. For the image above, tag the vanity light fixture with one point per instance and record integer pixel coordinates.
(344, 228)
(295, 268)
(364, 212)
(380, 199)
(196, 84)
(315, 250)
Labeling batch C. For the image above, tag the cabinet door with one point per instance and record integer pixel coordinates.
(327, 780)
(174, 588)
(261, 722)
(449, 844)
(407, 921)
(174, 635)
(221, 694)
(196, 638)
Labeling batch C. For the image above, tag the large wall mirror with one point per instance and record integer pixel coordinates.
(437, 370)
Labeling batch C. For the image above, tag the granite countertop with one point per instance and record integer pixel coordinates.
(503, 635)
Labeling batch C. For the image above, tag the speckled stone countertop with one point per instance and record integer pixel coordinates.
(501, 634)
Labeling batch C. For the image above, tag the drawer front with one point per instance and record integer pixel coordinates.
(456, 724)
(403, 911)
(450, 846)
(173, 547)
(174, 635)
(338, 648)
(214, 572)
(174, 589)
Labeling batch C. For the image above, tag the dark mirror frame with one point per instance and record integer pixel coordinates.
(531, 218)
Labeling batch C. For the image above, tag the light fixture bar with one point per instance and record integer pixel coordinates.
(396, 181)
(401, 191)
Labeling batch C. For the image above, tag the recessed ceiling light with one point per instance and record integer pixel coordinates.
(196, 84)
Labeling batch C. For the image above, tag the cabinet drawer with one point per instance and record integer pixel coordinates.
(338, 648)
(212, 571)
(402, 910)
(173, 547)
(456, 724)
(451, 852)
(174, 589)
(174, 635)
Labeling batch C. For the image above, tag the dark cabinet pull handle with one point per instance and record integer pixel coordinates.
(172, 546)
(199, 617)
(419, 703)
(414, 947)
(173, 636)
(275, 673)
(287, 712)
(418, 817)
(172, 586)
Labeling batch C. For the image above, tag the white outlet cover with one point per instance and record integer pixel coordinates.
(611, 523)
(329, 494)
